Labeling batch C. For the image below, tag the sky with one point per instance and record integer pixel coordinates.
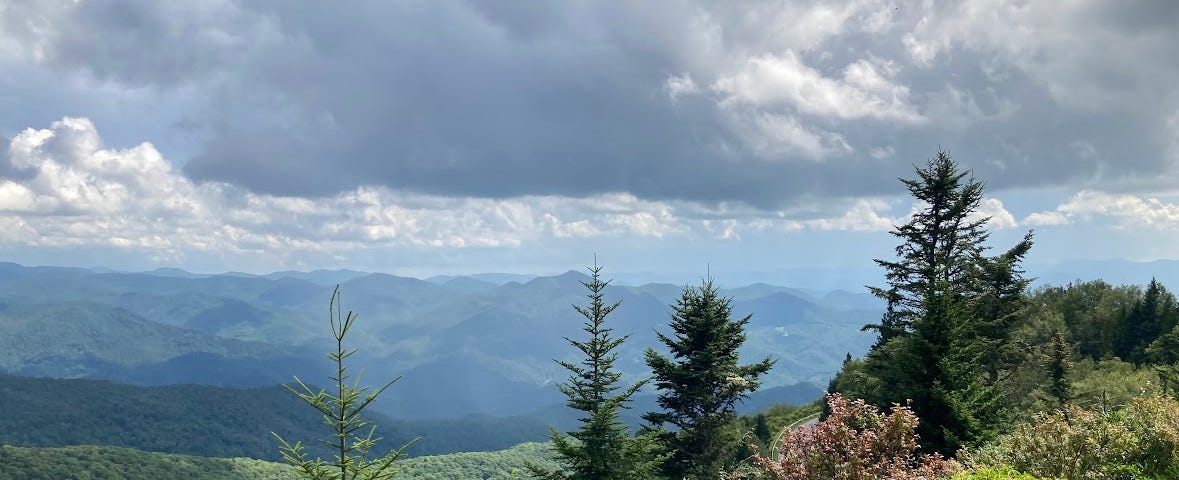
(676, 137)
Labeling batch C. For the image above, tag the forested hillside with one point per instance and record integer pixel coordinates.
(215, 422)
(113, 463)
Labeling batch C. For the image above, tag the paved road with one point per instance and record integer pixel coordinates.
(801, 423)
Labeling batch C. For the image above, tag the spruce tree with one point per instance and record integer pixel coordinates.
(602, 449)
(1151, 316)
(950, 306)
(1000, 301)
(701, 383)
(1059, 364)
(352, 437)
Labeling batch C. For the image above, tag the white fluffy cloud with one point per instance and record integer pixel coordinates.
(866, 89)
(76, 192)
(1125, 210)
(864, 216)
(1000, 218)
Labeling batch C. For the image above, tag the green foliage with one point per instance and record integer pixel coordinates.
(75, 339)
(113, 463)
(193, 420)
(992, 473)
(1110, 383)
(502, 465)
(1092, 311)
(1169, 379)
(762, 431)
(1140, 440)
(700, 384)
(1067, 347)
(1059, 364)
(602, 448)
(341, 413)
(1154, 314)
(1165, 349)
(943, 344)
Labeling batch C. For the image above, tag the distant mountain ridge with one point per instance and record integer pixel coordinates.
(804, 279)
(463, 345)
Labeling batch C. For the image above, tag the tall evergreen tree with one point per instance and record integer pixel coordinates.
(701, 383)
(949, 306)
(1059, 364)
(1000, 301)
(1151, 316)
(602, 449)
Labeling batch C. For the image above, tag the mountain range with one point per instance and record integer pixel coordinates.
(461, 345)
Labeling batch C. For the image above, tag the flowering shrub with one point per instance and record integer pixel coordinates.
(1139, 441)
(1155, 421)
(856, 442)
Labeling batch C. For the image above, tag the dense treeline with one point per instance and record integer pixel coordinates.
(1089, 344)
(213, 421)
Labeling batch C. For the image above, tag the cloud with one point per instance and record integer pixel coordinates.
(1078, 52)
(681, 85)
(1046, 219)
(764, 103)
(774, 136)
(81, 193)
(1127, 211)
(866, 89)
(1000, 218)
(864, 216)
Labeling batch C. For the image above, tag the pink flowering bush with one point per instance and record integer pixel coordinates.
(856, 442)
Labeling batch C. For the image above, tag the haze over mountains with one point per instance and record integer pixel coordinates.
(462, 345)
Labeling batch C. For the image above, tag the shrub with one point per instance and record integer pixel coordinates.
(1155, 421)
(989, 473)
(1140, 440)
(856, 442)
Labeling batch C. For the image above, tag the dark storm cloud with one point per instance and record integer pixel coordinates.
(498, 98)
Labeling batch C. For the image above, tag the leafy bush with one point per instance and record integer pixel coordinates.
(1155, 421)
(856, 442)
(1140, 440)
(989, 473)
